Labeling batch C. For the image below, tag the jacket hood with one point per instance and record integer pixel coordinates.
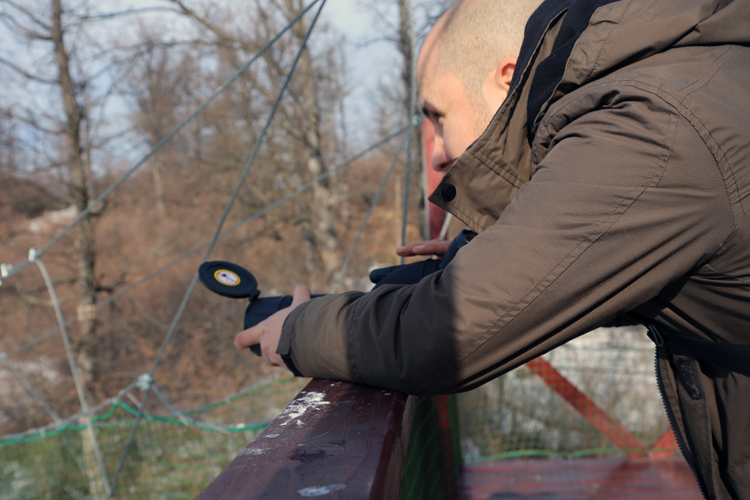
(568, 44)
(598, 37)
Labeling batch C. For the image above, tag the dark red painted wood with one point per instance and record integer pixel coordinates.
(579, 479)
(334, 440)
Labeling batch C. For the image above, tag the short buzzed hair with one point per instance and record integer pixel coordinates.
(478, 34)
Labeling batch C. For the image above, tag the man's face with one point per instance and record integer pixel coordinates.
(457, 117)
(456, 120)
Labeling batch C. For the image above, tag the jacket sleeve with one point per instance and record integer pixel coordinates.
(627, 200)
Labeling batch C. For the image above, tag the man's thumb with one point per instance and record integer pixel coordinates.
(301, 294)
(249, 337)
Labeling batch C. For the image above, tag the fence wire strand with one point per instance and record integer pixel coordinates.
(113, 401)
(348, 259)
(9, 271)
(189, 253)
(34, 258)
(211, 244)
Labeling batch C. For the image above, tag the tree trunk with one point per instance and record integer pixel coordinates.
(86, 348)
(312, 252)
(322, 210)
(161, 208)
(417, 173)
(80, 194)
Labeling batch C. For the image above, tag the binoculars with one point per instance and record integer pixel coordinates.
(230, 280)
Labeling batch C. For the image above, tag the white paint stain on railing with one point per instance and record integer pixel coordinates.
(300, 406)
(319, 491)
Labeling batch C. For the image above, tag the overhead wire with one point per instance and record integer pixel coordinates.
(231, 229)
(211, 244)
(9, 271)
(375, 200)
(34, 258)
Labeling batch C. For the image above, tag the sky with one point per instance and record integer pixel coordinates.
(368, 60)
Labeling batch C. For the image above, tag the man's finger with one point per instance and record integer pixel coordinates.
(249, 337)
(410, 250)
(405, 251)
(431, 247)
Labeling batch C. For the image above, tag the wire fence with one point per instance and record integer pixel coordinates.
(533, 413)
(519, 415)
(527, 413)
(147, 443)
(150, 449)
(98, 481)
(174, 456)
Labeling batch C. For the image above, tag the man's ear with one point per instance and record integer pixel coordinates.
(497, 83)
(504, 72)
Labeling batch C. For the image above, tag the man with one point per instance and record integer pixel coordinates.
(613, 184)
(463, 79)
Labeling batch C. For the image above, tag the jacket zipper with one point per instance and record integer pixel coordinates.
(659, 341)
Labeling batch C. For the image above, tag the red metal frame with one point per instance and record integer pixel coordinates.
(614, 431)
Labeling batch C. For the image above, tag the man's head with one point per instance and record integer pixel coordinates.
(465, 68)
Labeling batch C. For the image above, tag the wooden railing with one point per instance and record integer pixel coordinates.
(333, 437)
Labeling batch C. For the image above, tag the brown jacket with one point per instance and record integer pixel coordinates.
(632, 198)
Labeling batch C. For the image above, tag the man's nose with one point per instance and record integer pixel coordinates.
(440, 160)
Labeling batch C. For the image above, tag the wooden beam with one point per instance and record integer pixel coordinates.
(333, 437)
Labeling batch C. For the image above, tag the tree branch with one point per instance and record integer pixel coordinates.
(25, 73)
(110, 15)
(212, 28)
(28, 14)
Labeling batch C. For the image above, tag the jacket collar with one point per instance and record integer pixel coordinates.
(550, 71)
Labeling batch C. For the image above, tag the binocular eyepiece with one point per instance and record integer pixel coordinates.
(230, 280)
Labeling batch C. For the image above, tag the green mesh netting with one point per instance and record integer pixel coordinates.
(168, 459)
(524, 415)
(520, 414)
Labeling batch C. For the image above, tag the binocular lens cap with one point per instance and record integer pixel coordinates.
(227, 279)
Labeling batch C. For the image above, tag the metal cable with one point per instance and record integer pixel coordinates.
(446, 225)
(74, 418)
(189, 422)
(195, 250)
(211, 244)
(34, 258)
(9, 271)
(138, 382)
(51, 411)
(340, 276)
(30, 387)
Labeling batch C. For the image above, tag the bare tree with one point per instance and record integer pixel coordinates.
(393, 20)
(63, 118)
(157, 86)
(301, 115)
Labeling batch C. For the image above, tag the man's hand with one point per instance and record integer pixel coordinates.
(431, 247)
(267, 332)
